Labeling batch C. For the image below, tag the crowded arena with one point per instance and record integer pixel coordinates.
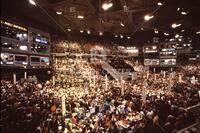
(100, 66)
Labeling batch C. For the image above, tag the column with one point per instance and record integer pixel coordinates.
(106, 82)
(53, 78)
(14, 78)
(25, 75)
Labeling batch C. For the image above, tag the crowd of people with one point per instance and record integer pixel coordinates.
(84, 101)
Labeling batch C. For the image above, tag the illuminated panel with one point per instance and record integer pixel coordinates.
(7, 59)
(168, 52)
(13, 25)
(151, 62)
(35, 60)
(167, 62)
(44, 61)
(21, 60)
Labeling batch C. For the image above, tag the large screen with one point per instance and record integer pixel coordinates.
(167, 62)
(40, 39)
(151, 62)
(7, 59)
(44, 60)
(21, 59)
(35, 60)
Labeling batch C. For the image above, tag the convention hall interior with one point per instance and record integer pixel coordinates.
(100, 66)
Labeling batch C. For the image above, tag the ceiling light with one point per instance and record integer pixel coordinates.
(88, 31)
(156, 31)
(100, 33)
(159, 4)
(121, 36)
(116, 35)
(178, 9)
(175, 25)
(122, 24)
(106, 6)
(154, 47)
(177, 35)
(32, 2)
(80, 17)
(142, 28)
(179, 39)
(128, 37)
(184, 13)
(182, 30)
(81, 31)
(59, 12)
(147, 17)
(69, 30)
(166, 34)
(198, 32)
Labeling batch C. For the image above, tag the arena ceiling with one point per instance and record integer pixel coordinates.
(125, 17)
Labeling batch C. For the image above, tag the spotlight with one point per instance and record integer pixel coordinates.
(175, 25)
(101, 33)
(177, 35)
(106, 6)
(81, 31)
(121, 36)
(166, 34)
(147, 17)
(80, 17)
(122, 24)
(32, 2)
(69, 30)
(159, 4)
(184, 13)
(156, 31)
(128, 37)
(58, 12)
(198, 32)
(116, 35)
(88, 31)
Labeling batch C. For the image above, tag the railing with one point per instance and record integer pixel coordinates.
(110, 69)
(195, 110)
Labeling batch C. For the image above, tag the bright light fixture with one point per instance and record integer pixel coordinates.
(106, 6)
(177, 35)
(88, 31)
(154, 47)
(121, 36)
(81, 31)
(184, 13)
(122, 24)
(166, 34)
(159, 4)
(69, 29)
(156, 31)
(142, 28)
(175, 25)
(147, 17)
(100, 33)
(182, 30)
(32, 2)
(80, 17)
(116, 35)
(198, 32)
(178, 9)
(128, 37)
(59, 12)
